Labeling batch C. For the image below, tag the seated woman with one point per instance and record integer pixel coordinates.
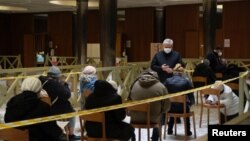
(87, 81)
(105, 95)
(228, 98)
(27, 105)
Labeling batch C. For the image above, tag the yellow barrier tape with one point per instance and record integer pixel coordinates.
(245, 65)
(69, 73)
(18, 77)
(103, 109)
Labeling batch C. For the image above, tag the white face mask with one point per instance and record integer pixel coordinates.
(167, 50)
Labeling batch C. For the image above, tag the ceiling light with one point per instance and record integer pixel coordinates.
(12, 8)
(92, 4)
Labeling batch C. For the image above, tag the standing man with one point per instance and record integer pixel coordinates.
(164, 63)
(165, 60)
(216, 62)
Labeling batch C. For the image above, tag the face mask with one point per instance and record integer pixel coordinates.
(219, 53)
(167, 50)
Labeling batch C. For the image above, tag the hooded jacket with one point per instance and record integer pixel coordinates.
(27, 105)
(148, 86)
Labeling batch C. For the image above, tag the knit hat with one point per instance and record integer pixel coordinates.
(54, 71)
(31, 84)
(218, 85)
(168, 41)
(89, 70)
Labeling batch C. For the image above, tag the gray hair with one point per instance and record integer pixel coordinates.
(168, 41)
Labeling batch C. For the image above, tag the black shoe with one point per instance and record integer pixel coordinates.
(62, 137)
(170, 132)
(74, 137)
(189, 133)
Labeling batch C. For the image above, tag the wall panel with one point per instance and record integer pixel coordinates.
(236, 21)
(60, 32)
(5, 48)
(139, 29)
(182, 19)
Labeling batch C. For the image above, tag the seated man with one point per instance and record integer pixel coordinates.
(147, 85)
(178, 83)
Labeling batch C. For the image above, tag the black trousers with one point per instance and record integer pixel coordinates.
(178, 108)
(222, 117)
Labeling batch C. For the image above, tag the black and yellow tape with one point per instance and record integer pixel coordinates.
(102, 109)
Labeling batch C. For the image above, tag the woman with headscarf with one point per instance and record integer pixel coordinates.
(105, 95)
(87, 81)
(27, 105)
(228, 98)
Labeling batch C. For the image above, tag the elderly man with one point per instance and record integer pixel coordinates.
(164, 61)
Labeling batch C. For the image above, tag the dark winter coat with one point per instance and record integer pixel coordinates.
(105, 95)
(161, 58)
(56, 89)
(216, 62)
(205, 71)
(27, 105)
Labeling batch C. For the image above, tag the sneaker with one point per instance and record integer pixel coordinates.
(74, 137)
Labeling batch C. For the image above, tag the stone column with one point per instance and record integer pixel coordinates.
(159, 24)
(209, 18)
(108, 14)
(81, 31)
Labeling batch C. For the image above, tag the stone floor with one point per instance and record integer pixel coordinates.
(180, 127)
